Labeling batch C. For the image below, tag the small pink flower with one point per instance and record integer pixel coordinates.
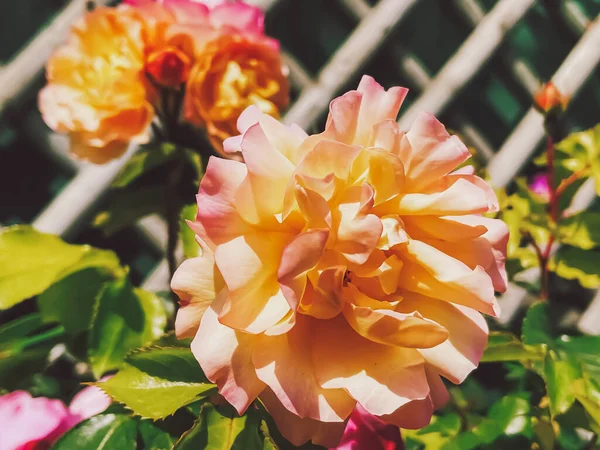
(366, 432)
(539, 186)
(28, 423)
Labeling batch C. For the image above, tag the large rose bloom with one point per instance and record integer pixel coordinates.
(342, 269)
(96, 88)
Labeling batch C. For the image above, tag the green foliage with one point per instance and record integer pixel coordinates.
(581, 152)
(124, 318)
(222, 429)
(157, 381)
(573, 263)
(31, 261)
(581, 230)
(148, 158)
(102, 432)
(536, 326)
(504, 346)
(191, 248)
(19, 328)
(126, 207)
(155, 438)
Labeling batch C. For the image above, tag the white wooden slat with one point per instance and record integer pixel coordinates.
(569, 79)
(468, 60)
(347, 60)
(411, 68)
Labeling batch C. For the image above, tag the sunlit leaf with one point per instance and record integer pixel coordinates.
(573, 263)
(31, 261)
(560, 372)
(102, 432)
(581, 230)
(191, 248)
(581, 150)
(504, 346)
(157, 381)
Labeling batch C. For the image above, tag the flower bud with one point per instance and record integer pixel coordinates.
(539, 185)
(549, 98)
(169, 67)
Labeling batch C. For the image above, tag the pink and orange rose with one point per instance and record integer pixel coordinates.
(342, 270)
(104, 84)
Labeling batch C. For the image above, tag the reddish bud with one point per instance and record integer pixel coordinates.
(539, 185)
(549, 98)
(169, 67)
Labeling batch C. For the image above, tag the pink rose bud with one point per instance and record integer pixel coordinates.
(366, 432)
(539, 186)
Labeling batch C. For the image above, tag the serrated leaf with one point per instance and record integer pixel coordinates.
(156, 382)
(126, 207)
(70, 302)
(155, 438)
(573, 263)
(536, 325)
(222, 429)
(147, 158)
(560, 373)
(31, 261)
(124, 319)
(191, 248)
(581, 230)
(102, 432)
(504, 346)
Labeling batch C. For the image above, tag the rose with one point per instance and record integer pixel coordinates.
(96, 88)
(367, 432)
(234, 72)
(28, 423)
(342, 269)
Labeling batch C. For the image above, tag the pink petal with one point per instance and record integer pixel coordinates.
(238, 15)
(285, 364)
(225, 357)
(365, 431)
(381, 378)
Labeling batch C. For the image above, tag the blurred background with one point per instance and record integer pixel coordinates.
(474, 63)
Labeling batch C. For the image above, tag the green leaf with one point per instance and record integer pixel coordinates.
(70, 302)
(146, 159)
(19, 328)
(581, 230)
(194, 159)
(156, 382)
(536, 325)
(191, 248)
(585, 350)
(155, 438)
(581, 150)
(560, 373)
(503, 346)
(102, 432)
(573, 263)
(508, 416)
(223, 429)
(124, 319)
(31, 261)
(126, 207)
(437, 434)
(16, 370)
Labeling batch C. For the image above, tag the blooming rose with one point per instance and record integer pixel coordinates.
(28, 423)
(96, 88)
(234, 72)
(342, 270)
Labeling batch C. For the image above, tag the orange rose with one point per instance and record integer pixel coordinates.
(233, 73)
(96, 86)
